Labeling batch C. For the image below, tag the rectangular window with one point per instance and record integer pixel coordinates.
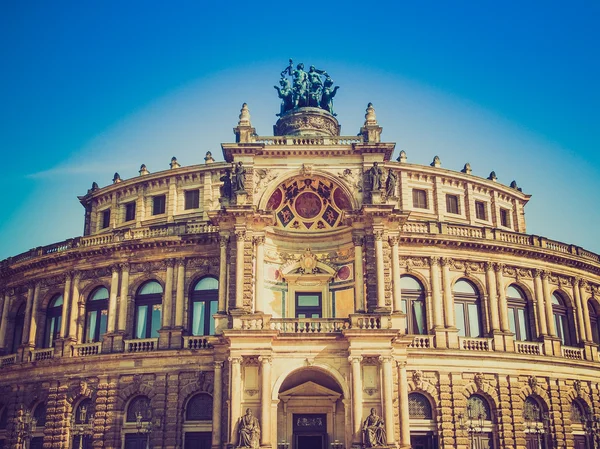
(192, 199)
(452, 205)
(505, 217)
(130, 211)
(480, 210)
(308, 305)
(106, 219)
(419, 199)
(158, 204)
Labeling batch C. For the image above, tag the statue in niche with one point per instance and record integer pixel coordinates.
(287, 96)
(373, 431)
(390, 184)
(226, 190)
(239, 177)
(249, 430)
(374, 174)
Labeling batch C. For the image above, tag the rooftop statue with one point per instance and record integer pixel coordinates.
(307, 89)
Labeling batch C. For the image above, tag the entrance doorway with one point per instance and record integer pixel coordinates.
(310, 431)
(423, 441)
(310, 442)
(198, 440)
(136, 441)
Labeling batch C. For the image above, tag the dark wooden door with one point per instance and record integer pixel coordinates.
(422, 441)
(36, 443)
(198, 440)
(579, 442)
(135, 441)
(310, 442)
(483, 441)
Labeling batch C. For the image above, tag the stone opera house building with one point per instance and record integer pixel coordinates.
(307, 293)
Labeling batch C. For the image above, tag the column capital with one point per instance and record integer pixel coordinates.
(575, 281)
(393, 240)
(544, 274)
(69, 275)
(114, 269)
(434, 261)
(401, 364)
(181, 262)
(357, 240)
(537, 272)
(124, 266)
(355, 358)
(378, 234)
(170, 263)
(583, 283)
(265, 359)
(386, 358)
(489, 266)
(235, 360)
(240, 234)
(498, 267)
(218, 365)
(446, 261)
(259, 239)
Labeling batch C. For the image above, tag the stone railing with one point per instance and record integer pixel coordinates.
(369, 322)
(475, 344)
(465, 231)
(200, 228)
(529, 347)
(198, 342)
(97, 240)
(309, 325)
(86, 349)
(572, 353)
(37, 355)
(306, 140)
(141, 345)
(422, 342)
(8, 360)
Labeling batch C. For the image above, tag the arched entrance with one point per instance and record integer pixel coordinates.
(311, 411)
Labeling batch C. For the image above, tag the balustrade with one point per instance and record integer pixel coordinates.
(141, 345)
(8, 360)
(309, 325)
(475, 344)
(86, 349)
(572, 353)
(197, 342)
(37, 355)
(422, 342)
(529, 347)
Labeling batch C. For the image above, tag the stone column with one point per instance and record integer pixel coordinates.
(223, 241)
(359, 281)
(28, 314)
(35, 315)
(578, 303)
(548, 301)
(436, 294)
(490, 277)
(265, 401)
(180, 295)
(240, 236)
(404, 415)
(259, 295)
(66, 303)
(586, 311)
(504, 326)
(217, 406)
(448, 299)
(378, 234)
(356, 399)
(73, 317)
(4, 322)
(123, 298)
(112, 300)
(168, 295)
(388, 405)
(236, 393)
(397, 289)
(539, 298)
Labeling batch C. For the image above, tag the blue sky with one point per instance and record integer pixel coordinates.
(92, 88)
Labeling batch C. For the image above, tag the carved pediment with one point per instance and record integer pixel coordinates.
(309, 390)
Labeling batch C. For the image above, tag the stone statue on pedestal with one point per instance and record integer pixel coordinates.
(373, 431)
(249, 431)
(374, 175)
(239, 177)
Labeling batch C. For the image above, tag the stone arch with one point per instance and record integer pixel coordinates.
(35, 396)
(78, 391)
(49, 295)
(486, 391)
(479, 286)
(128, 393)
(86, 291)
(563, 294)
(419, 277)
(538, 393)
(196, 276)
(284, 177)
(429, 391)
(137, 283)
(295, 265)
(529, 297)
(572, 396)
(191, 390)
(323, 367)
(15, 305)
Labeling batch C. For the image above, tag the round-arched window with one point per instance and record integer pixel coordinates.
(53, 321)
(3, 417)
(83, 412)
(204, 301)
(467, 309)
(139, 405)
(40, 415)
(478, 406)
(199, 408)
(18, 329)
(578, 413)
(518, 313)
(96, 315)
(148, 310)
(413, 305)
(419, 407)
(562, 319)
(594, 312)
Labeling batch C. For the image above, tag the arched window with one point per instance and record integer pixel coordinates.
(413, 305)
(203, 305)
(532, 411)
(467, 309)
(199, 408)
(83, 412)
(139, 405)
(148, 308)
(53, 319)
(562, 319)
(96, 315)
(518, 313)
(419, 407)
(18, 329)
(594, 311)
(536, 423)
(478, 422)
(3, 418)
(39, 413)
(81, 422)
(478, 406)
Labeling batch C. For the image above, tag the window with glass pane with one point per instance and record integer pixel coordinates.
(452, 204)
(518, 313)
(480, 210)
(413, 305)
(96, 316)
(204, 301)
(505, 218)
(106, 219)
(192, 199)
(130, 211)
(563, 319)
(139, 405)
(594, 321)
(18, 329)
(199, 408)
(159, 204)
(419, 407)
(53, 320)
(419, 198)
(148, 308)
(467, 309)
(308, 305)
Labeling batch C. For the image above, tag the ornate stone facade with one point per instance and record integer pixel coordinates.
(308, 299)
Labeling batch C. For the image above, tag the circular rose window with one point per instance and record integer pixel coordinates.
(308, 205)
